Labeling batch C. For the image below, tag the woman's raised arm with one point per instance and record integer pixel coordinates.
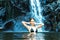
(25, 24)
(40, 25)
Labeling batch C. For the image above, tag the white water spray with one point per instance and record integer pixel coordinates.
(36, 11)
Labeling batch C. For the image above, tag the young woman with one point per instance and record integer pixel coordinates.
(32, 28)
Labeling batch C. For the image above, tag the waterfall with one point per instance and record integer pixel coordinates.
(36, 9)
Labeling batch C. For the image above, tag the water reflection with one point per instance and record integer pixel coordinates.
(24, 36)
(36, 36)
(32, 36)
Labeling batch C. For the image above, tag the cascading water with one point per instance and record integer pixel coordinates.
(36, 10)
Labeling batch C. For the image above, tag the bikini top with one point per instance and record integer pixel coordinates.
(33, 29)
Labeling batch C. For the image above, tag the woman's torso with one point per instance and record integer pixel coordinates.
(33, 29)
